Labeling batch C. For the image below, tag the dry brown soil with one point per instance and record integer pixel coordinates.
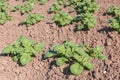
(50, 34)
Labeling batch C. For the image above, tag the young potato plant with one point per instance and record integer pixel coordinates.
(55, 8)
(62, 19)
(67, 2)
(87, 6)
(33, 19)
(43, 1)
(59, 3)
(114, 10)
(85, 10)
(16, 7)
(28, 6)
(23, 50)
(88, 21)
(78, 56)
(72, 2)
(115, 23)
(3, 6)
(4, 17)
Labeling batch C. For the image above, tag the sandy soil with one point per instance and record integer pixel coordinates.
(50, 34)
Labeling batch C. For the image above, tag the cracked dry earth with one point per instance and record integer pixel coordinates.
(50, 34)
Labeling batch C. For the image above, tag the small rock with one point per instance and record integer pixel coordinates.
(108, 42)
(104, 72)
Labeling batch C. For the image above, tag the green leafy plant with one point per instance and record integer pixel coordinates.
(55, 8)
(78, 56)
(3, 6)
(88, 21)
(16, 7)
(115, 23)
(62, 18)
(32, 19)
(72, 2)
(61, 2)
(87, 6)
(67, 2)
(85, 10)
(114, 10)
(28, 6)
(23, 50)
(4, 17)
(42, 1)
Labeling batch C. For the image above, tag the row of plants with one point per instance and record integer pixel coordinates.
(28, 7)
(30, 20)
(79, 57)
(85, 10)
(84, 19)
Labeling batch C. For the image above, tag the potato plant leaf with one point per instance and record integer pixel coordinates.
(25, 59)
(49, 54)
(61, 61)
(88, 65)
(76, 69)
(102, 56)
(7, 50)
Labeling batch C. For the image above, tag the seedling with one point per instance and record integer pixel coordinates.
(4, 17)
(87, 6)
(85, 10)
(3, 6)
(67, 2)
(16, 7)
(33, 19)
(55, 8)
(28, 6)
(115, 23)
(77, 56)
(88, 21)
(114, 10)
(42, 1)
(62, 18)
(23, 50)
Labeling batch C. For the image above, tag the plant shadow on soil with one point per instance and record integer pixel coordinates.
(2, 55)
(9, 55)
(21, 24)
(66, 70)
(106, 29)
(76, 30)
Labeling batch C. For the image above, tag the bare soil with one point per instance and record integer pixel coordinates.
(50, 34)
